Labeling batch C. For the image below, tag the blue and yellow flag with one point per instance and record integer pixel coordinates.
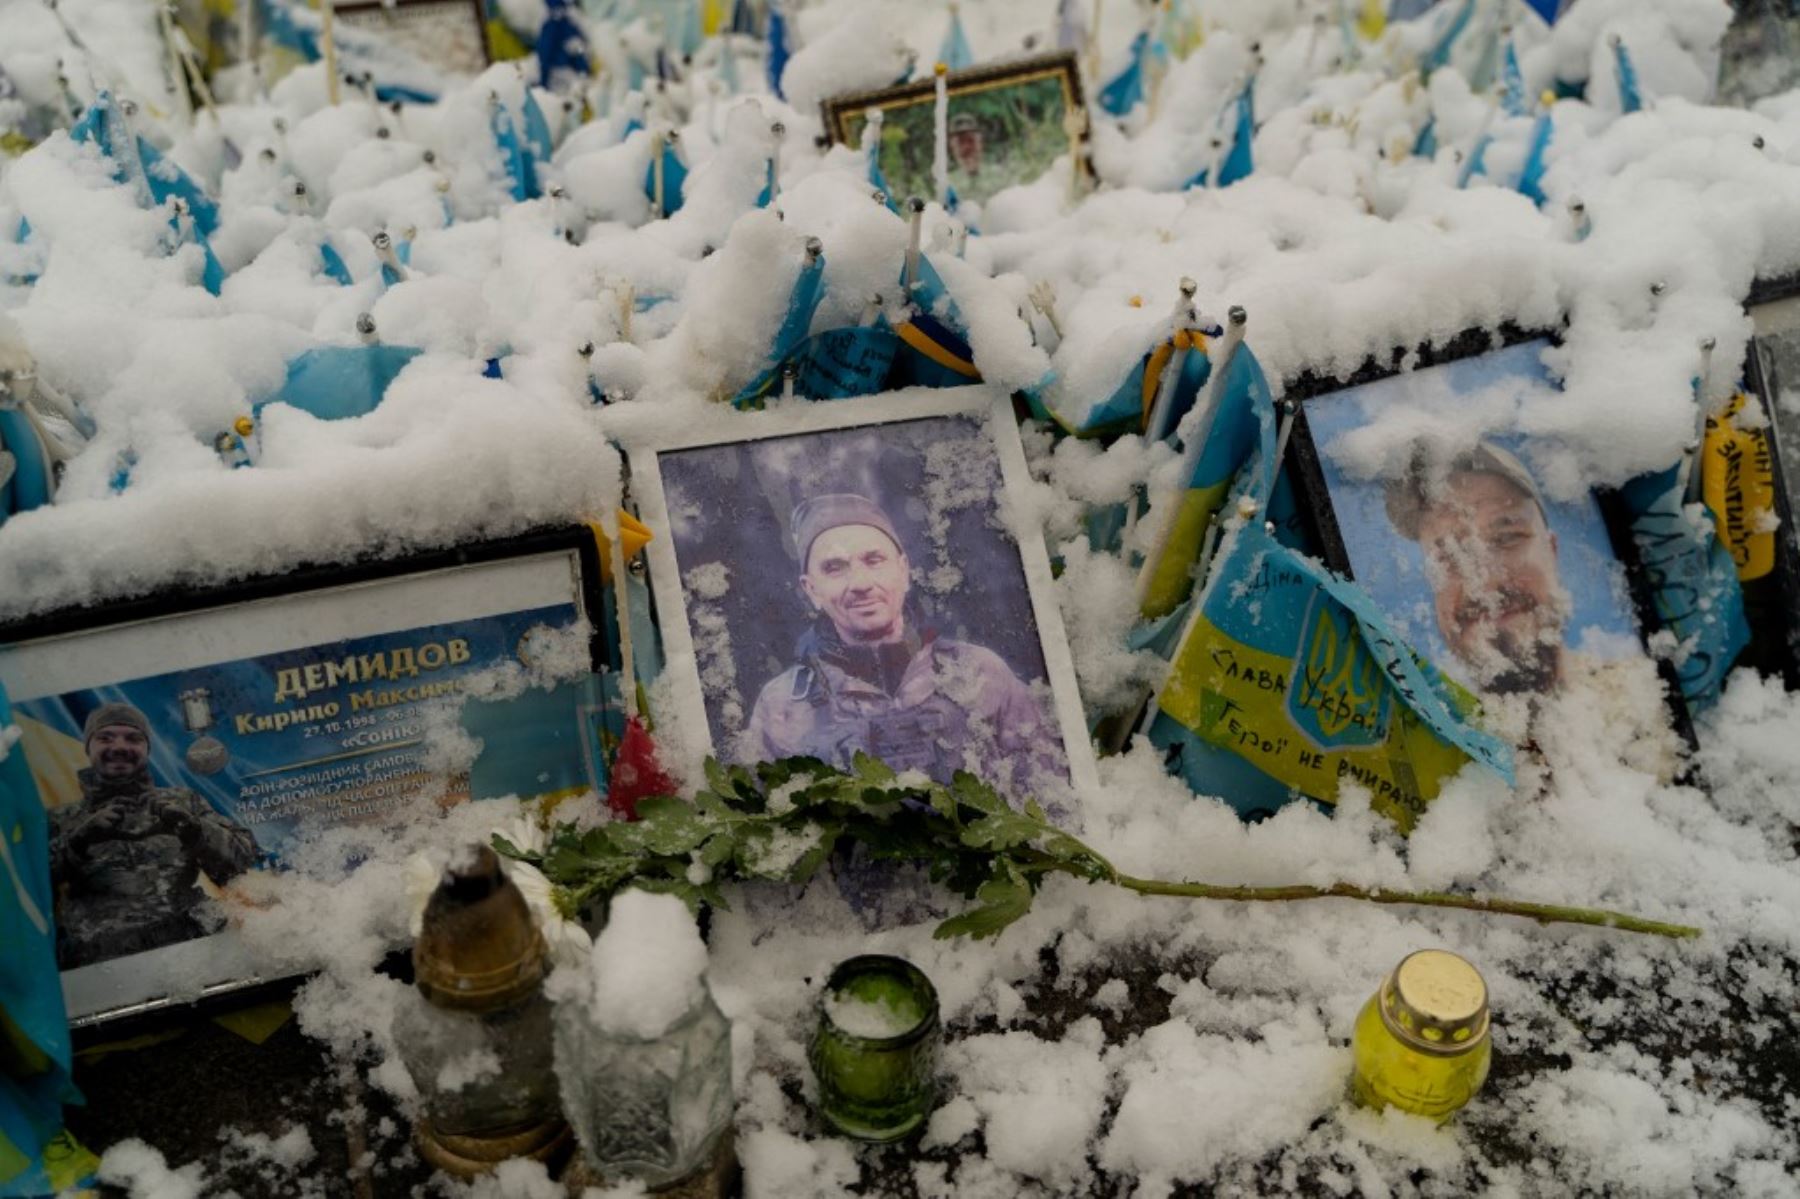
(934, 350)
(36, 1156)
(1291, 670)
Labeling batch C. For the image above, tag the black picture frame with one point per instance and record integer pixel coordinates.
(837, 111)
(1772, 604)
(1318, 516)
(558, 566)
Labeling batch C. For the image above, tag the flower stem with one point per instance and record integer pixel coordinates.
(1543, 913)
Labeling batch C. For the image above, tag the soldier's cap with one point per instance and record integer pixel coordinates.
(834, 510)
(964, 122)
(1410, 495)
(111, 714)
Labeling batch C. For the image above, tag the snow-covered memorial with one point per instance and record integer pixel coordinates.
(804, 597)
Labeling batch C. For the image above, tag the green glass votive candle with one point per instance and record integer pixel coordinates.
(875, 1053)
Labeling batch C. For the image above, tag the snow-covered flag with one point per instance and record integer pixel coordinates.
(1237, 162)
(1630, 98)
(955, 52)
(1125, 91)
(778, 50)
(790, 336)
(1286, 678)
(934, 345)
(1692, 580)
(562, 49)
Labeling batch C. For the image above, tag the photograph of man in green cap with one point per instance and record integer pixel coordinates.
(868, 677)
(126, 859)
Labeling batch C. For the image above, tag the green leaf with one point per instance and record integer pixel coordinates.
(507, 849)
(871, 769)
(1001, 831)
(665, 825)
(971, 792)
(779, 853)
(1003, 899)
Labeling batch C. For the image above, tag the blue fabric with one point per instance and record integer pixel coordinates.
(277, 23)
(1427, 144)
(1547, 9)
(1512, 90)
(31, 997)
(166, 179)
(778, 52)
(841, 363)
(1531, 176)
(334, 266)
(1476, 163)
(539, 145)
(340, 382)
(1630, 99)
(1238, 163)
(387, 93)
(1125, 91)
(955, 52)
(803, 302)
(562, 51)
(674, 179)
(29, 486)
(520, 173)
(1439, 54)
(1693, 583)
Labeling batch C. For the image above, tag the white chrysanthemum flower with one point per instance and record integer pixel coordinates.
(568, 942)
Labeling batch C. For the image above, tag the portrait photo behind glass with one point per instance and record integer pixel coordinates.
(1001, 134)
(1531, 567)
(855, 589)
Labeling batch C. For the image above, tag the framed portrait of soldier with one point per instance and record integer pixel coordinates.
(845, 577)
(1007, 124)
(186, 739)
(1424, 490)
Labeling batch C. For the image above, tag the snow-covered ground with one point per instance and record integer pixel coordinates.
(1106, 1042)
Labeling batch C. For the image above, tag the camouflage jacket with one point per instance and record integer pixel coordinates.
(132, 887)
(930, 704)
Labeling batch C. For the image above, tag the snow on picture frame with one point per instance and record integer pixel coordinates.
(1419, 486)
(276, 708)
(1008, 123)
(1771, 383)
(450, 35)
(880, 635)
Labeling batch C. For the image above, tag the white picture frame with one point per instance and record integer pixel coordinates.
(647, 456)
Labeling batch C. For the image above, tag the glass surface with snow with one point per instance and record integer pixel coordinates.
(856, 590)
(1447, 527)
(643, 1054)
(1760, 54)
(1005, 128)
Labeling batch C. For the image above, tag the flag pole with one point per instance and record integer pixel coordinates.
(328, 44)
(1694, 476)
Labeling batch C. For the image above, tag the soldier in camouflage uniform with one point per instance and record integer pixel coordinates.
(125, 860)
(868, 680)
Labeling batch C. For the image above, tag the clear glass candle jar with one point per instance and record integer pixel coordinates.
(654, 1110)
(875, 1051)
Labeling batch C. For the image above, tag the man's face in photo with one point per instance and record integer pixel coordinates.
(118, 751)
(965, 145)
(858, 577)
(1491, 561)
